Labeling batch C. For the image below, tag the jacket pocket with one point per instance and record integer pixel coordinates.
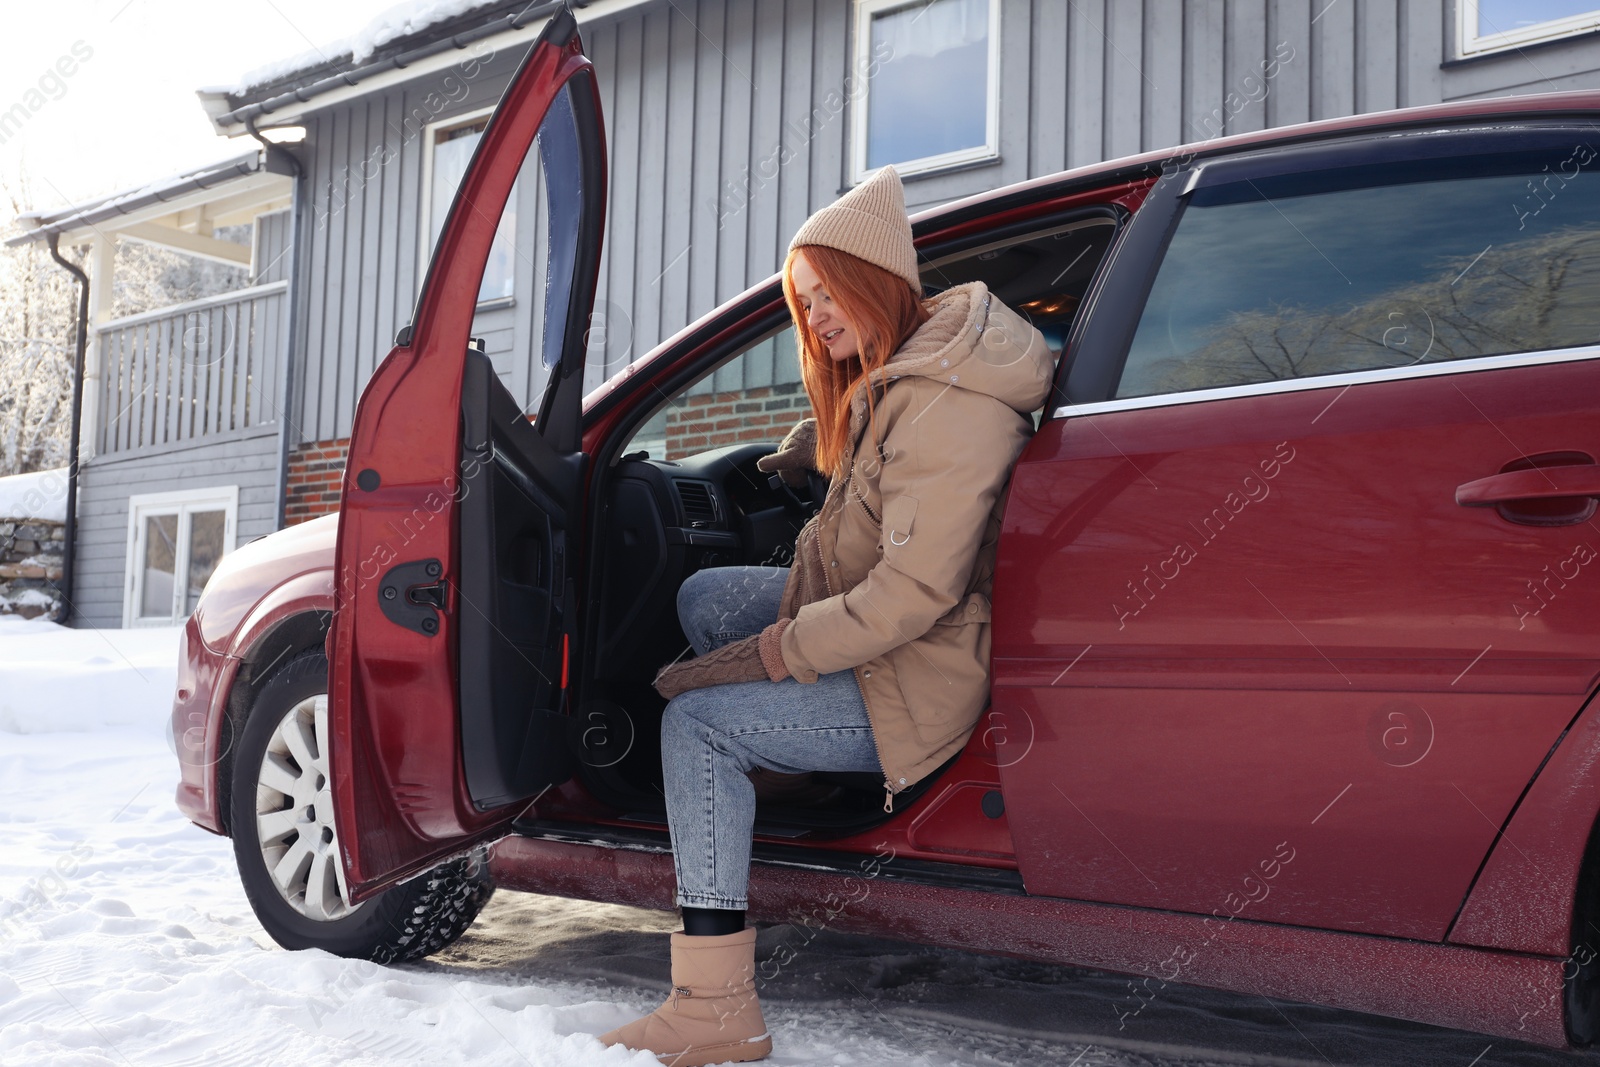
(944, 680)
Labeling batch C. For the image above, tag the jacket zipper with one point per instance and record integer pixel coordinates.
(859, 499)
(822, 563)
(888, 788)
(888, 791)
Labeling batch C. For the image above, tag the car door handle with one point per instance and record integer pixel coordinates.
(1536, 483)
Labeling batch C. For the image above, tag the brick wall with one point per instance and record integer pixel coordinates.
(695, 424)
(711, 420)
(316, 471)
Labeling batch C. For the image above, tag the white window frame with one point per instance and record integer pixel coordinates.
(866, 10)
(182, 503)
(1470, 43)
(430, 134)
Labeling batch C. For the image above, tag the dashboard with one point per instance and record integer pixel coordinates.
(666, 519)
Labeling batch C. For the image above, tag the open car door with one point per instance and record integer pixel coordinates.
(447, 673)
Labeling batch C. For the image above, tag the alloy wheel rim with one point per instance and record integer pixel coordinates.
(294, 815)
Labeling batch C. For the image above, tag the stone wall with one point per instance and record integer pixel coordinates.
(30, 567)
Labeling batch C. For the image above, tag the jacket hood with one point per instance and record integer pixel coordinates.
(975, 342)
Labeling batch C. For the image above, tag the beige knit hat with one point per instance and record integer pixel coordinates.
(870, 223)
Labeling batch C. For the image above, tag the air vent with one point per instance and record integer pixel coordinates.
(699, 506)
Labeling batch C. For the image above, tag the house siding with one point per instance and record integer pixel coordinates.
(106, 483)
(273, 241)
(721, 141)
(702, 96)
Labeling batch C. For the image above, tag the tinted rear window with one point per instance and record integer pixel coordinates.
(1323, 273)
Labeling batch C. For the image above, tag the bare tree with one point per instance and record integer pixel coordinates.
(38, 309)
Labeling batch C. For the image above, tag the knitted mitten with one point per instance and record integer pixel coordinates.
(795, 456)
(754, 659)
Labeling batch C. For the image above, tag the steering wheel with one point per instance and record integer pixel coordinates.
(801, 505)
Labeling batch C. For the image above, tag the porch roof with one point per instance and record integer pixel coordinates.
(178, 211)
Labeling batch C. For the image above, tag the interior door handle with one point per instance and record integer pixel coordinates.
(1536, 483)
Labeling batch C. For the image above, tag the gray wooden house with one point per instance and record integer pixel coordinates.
(728, 122)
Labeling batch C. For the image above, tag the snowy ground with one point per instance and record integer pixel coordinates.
(126, 940)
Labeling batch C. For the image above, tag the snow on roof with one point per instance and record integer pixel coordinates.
(40, 495)
(401, 20)
(124, 201)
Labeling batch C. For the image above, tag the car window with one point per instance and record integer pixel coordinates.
(757, 395)
(1307, 275)
(1042, 275)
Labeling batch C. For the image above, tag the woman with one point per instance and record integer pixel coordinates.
(871, 652)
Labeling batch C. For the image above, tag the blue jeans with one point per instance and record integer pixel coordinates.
(710, 737)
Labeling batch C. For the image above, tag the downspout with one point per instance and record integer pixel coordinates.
(286, 392)
(69, 542)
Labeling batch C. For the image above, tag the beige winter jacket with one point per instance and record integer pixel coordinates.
(906, 539)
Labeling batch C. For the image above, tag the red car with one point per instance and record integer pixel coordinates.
(1294, 638)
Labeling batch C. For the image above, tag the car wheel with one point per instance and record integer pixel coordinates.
(287, 849)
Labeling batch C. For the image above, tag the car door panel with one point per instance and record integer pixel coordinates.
(515, 588)
(1312, 655)
(1232, 672)
(443, 482)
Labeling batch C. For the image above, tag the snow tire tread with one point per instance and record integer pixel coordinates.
(451, 897)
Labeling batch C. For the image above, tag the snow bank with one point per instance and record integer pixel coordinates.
(40, 495)
(401, 20)
(56, 679)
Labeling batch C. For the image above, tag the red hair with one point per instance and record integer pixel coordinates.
(882, 310)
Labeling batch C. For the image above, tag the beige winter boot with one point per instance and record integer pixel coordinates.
(713, 1015)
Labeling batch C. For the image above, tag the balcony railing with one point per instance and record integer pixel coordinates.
(194, 370)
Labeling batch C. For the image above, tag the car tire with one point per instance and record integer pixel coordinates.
(287, 850)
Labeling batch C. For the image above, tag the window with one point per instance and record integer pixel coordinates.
(1493, 25)
(174, 543)
(1042, 275)
(928, 76)
(449, 150)
(1390, 265)
(756, 396)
